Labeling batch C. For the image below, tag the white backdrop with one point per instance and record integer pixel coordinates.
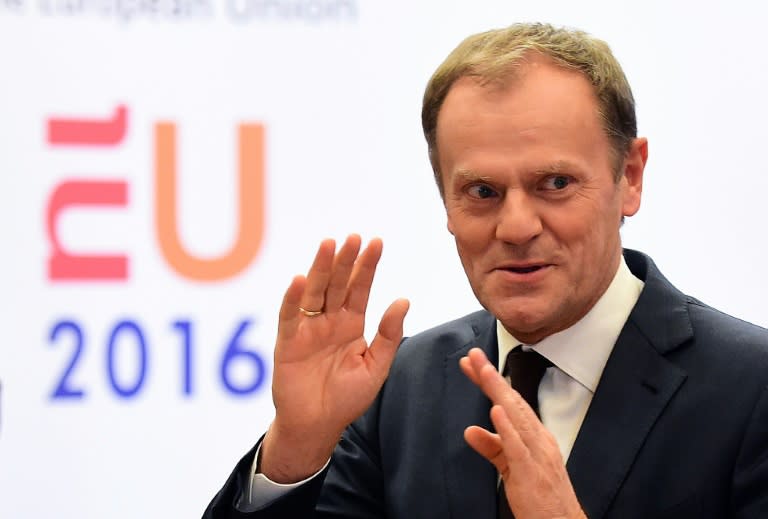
(113, 402)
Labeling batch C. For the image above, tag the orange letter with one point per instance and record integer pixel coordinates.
(63, 266)
(251, 200)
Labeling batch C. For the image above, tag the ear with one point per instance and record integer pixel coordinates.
(632, 180)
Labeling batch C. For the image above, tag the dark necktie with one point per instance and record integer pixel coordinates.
(525, 369)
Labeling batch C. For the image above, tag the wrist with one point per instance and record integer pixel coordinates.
(289, 458)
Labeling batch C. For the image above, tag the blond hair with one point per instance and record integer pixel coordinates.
(496, 56)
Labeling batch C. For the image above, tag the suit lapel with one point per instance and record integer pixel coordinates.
(636, 385)
(470, 479)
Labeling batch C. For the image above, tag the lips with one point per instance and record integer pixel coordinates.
(528, 272)
(519, 267)
(524, 270)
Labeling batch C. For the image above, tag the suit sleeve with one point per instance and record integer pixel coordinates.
(750, 481)
(351, 486)
(298, 503)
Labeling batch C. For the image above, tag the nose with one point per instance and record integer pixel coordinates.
(519, 221)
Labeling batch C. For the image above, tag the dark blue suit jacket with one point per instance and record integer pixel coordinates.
(677, 428)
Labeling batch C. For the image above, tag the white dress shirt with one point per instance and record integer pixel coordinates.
(578, 355)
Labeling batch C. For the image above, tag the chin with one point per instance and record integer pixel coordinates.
(519, 322)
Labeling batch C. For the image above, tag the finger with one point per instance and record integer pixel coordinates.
(515, 450)
(384, 345)
(495, 387)
(341, 270)
(317, 278)
(466, 368)
(498, 389)
(488, 378)
(487, 445)
(289, 310)
(362, 277)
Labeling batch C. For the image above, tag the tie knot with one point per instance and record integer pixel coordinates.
(525, 369)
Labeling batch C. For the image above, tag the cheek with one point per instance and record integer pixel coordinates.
(591, 241)
(472, 251)
(469, 249)
(471, 234)
(575, 231)
(591, 225)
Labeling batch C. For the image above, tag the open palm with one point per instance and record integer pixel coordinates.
(325, 373)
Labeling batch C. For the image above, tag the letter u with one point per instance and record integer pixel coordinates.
(250, 212)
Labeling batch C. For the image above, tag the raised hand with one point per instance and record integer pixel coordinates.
(522, 450)
(325, 373)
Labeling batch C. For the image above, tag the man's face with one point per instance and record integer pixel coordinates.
(531, 195)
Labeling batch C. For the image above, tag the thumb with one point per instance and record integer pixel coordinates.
(382, 351)
(487, 445)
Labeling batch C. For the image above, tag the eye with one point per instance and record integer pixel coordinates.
(557, 182)
(481, 191)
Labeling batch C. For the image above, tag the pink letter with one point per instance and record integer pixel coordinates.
(88, 132)
(63, 266)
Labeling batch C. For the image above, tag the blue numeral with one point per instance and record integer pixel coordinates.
(127, 391)
(236, 352)
(186, 356)
(64, 388)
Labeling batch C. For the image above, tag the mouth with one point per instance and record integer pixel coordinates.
(524, 270)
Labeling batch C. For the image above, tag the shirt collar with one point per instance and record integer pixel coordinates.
(582, 350)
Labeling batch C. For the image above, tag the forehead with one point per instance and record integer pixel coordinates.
(534, 80)
(543, 109)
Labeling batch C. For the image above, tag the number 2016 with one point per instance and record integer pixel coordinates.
(235, 353)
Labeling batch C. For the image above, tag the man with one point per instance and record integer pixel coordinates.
(651, 404)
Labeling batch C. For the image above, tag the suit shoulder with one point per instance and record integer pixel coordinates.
(730, 339)
(717, 324)
(441, 340)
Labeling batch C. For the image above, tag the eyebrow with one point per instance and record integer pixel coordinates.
(558, 166)
(468, 175)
